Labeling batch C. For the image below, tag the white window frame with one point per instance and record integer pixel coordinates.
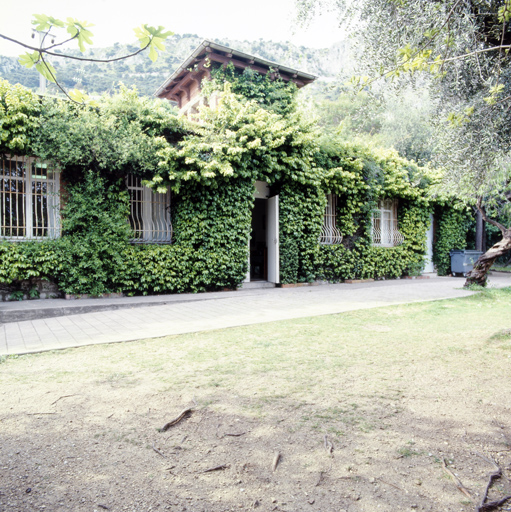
(330, 233)
(29, 201)
(149, 213)
(384, 224)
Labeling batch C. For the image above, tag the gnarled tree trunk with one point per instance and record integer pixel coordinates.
(478, 274)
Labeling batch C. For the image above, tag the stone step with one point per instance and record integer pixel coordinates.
(256, 285)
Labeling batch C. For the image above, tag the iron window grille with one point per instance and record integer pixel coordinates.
(330, 233)
(384, 229)
(29, 199)
(149, 213)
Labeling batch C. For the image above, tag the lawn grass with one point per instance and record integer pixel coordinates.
(501, 268)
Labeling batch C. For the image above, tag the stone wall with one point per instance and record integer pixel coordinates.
(32, 289)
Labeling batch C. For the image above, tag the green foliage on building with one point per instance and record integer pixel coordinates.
(453, 225)
(211, 168)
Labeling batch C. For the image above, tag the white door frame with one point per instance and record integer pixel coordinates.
(247, 276)
(272, 239)
(428, 257)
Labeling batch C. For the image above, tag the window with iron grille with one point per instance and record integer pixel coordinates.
(330, 233)
(384, 231)
(149, 213)
(29, 199)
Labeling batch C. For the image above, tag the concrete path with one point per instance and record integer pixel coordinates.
(136, 318)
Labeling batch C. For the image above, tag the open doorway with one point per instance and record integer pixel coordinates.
(263, 250)
(258, 248)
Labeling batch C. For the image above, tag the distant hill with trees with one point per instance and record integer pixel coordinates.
(96, 78)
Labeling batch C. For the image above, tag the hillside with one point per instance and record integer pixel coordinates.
(147, 76)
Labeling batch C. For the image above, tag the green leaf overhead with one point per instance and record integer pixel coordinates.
(79, 31)
(47, 70)
(43, 22)
(29, 59)
(153, 38)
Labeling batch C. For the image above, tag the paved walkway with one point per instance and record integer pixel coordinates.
(151, 317)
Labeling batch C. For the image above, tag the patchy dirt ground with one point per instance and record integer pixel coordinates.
(396, 409)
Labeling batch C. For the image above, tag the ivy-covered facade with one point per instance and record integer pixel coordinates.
(219, 173)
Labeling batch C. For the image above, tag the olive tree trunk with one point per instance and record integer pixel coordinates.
(478, 274)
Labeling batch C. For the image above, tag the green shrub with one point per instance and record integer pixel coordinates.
(451, 233)
(94, 236)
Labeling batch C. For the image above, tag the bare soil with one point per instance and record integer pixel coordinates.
(398, 409)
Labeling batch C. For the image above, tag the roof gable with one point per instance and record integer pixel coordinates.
(196, 67)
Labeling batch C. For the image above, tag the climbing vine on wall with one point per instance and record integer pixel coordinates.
(20, 111)
(360, 176)
(240, 140)
(452, 228)
(210, 167)
(301, 217)
(268, 91)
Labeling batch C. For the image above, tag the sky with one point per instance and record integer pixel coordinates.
(114, 21)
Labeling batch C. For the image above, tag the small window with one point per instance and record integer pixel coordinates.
(29, 199)
(384, 230)
(330, 233)
(149, 213)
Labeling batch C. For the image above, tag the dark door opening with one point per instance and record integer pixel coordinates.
(258, 248)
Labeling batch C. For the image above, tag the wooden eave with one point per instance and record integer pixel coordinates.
(196, 65)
